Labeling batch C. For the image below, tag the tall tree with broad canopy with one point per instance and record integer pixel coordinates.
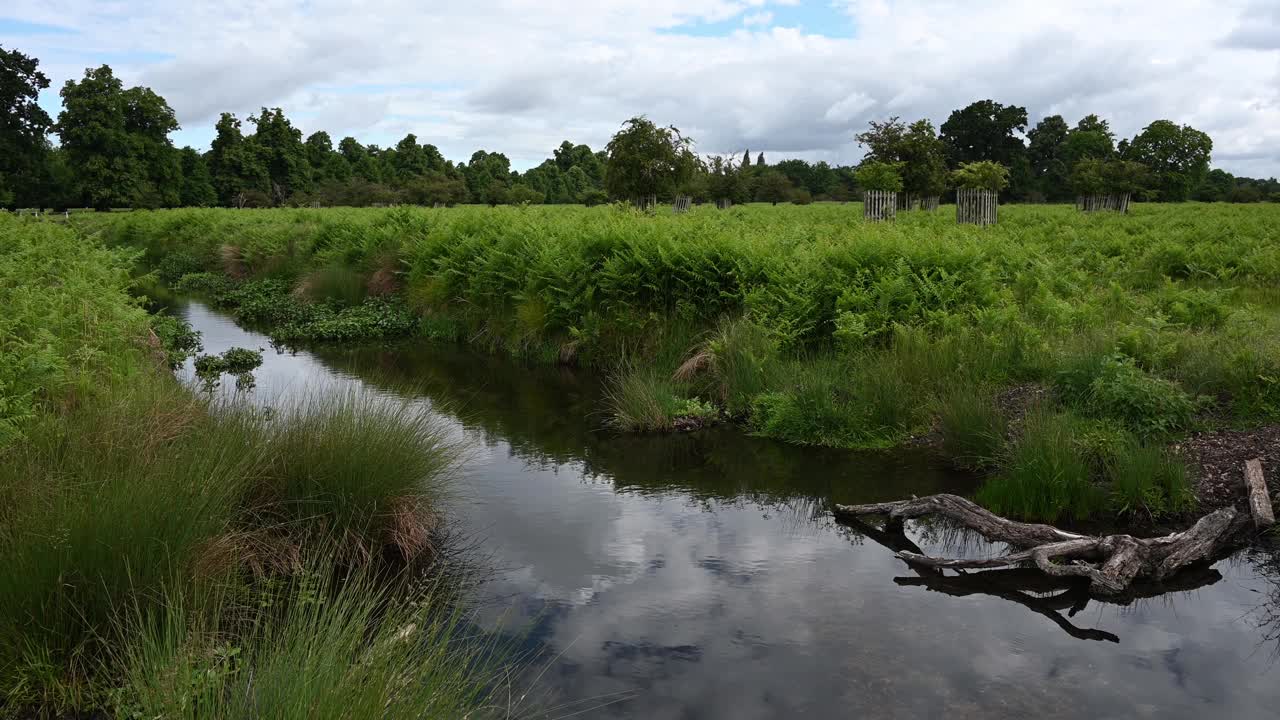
(24, 125)
(773, 187)
(1049, 164)
(279, 147)
(197, 184)
(234, 165)
(646, 160)
(985, 130)
(488, 177)
(1177, 158)
(117, 142)
(917, 152)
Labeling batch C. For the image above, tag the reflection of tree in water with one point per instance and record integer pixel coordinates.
(1265, 559)
(1042, 594)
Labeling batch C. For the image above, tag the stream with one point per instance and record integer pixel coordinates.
(700, 575)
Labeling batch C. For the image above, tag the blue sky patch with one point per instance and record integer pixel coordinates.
(813, 17)
(21, 28)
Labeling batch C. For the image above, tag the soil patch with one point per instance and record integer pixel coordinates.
(1216, 459)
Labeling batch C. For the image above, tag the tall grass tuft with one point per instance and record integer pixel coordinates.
(743, 361)
(1148, 479)
(338, 284)
(641, 399)
(313, 647)
(358, 466)
(1045, 475)
(973, 428)
(103, 508)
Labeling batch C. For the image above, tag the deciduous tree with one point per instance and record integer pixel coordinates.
(647, 160)
(24, 125)
(1177, 157)
(117, 142)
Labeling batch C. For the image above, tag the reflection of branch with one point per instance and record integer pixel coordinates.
(1008, 585)
(1028, 587)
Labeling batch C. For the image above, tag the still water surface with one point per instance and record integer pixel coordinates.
(700, 576)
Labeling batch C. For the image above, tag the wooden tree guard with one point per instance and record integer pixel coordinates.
(724, 204)
(976, 207)
(879, 205)
(645, 202)
(1111, 563)
(681, 203)
(929, 203)
(1118, 202)
(908, 201)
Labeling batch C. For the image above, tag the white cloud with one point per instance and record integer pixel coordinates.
(758, 19)
(522, 75)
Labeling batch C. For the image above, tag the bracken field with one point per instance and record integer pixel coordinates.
(1058, 351)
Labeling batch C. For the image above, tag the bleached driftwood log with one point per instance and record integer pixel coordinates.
(1259, 499)
(1042, 594)
(1111, 563)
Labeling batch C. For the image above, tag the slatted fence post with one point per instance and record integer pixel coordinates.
(879, 205)
(976, 206)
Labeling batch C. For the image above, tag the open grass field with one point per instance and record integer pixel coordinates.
(804, 322)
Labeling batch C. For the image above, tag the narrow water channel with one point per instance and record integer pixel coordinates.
(699, 576)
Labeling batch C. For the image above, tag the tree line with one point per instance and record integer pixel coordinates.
(114, 150)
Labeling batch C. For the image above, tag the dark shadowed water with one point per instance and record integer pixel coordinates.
(701, 576)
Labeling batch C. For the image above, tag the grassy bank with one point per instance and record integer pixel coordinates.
(803, 323)
(168, 557)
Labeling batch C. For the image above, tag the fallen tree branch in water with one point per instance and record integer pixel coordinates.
(1111, 563)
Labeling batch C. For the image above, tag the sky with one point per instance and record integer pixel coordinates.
(790, 78)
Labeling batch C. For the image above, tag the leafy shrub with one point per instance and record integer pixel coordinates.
(177, 338)
(174, 266)
(881, 176)
(204, 283)
(1147, 404)
(981, 175)
(1194, 307)
(592, 198)
(235, 361)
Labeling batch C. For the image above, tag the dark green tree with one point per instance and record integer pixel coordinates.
(1090, 138)
(24, 128)
(117, 142)
(646, 160)
(1216, 186)
(1176, 156)
(197, 184)
(773, 187)
(760, 161)
(1049, 165)
(746, 159)
(798, 172)
(985, 130)
(234, 165)
(279, 147)
(916, 150)
(488, 176)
